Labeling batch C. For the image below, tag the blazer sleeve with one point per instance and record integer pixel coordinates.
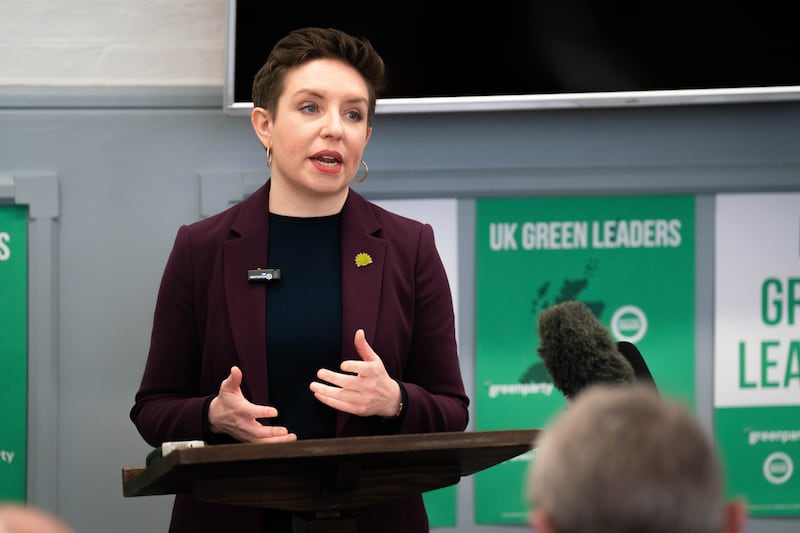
(432, 376)
(169, 404)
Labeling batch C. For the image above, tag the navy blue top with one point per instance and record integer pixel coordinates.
(304, 319)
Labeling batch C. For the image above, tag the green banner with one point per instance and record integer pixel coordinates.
(631, 259)
(13, 351)
(441, 506)
(757, 348)
(760, 447)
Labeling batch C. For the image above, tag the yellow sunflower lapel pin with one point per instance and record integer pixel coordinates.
(363, 259)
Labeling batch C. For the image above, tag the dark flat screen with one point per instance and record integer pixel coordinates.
(543, 47)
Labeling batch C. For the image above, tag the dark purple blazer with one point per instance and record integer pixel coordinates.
(208, 317)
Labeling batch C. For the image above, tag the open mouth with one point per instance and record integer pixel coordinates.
(328, 161)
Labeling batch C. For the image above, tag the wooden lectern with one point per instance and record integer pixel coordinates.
(325, 478)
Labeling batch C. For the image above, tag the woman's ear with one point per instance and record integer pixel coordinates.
(262, 125)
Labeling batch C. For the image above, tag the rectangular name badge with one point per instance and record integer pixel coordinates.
(264, 275)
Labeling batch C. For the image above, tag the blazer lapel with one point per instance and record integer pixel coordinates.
(363, 258)
(246, 300)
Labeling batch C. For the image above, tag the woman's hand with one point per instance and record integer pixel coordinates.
(231, 413)
(362, 388)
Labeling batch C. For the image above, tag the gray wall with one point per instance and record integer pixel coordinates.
(128, 167)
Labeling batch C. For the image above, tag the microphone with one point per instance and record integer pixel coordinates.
(262, 275)
(630, 352)
(578, 350)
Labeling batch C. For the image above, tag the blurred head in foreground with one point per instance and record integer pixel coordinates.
(18, 518)
(622, 459)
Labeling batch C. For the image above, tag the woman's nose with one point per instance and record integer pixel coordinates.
(332, 126)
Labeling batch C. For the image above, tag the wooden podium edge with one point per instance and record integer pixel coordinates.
(246, 474)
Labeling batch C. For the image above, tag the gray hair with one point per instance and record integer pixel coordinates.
(621, 458)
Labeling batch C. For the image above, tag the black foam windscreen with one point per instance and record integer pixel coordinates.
(578, 350)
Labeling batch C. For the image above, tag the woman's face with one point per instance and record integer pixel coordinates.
(318, 133)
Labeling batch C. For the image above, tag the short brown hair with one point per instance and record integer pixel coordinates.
(306, 44)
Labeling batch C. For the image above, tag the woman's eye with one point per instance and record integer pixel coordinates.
(309, 108)
(353, 115)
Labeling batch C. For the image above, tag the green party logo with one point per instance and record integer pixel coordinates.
(629, 323)
(778, 468)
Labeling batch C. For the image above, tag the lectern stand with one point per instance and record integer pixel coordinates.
(320, 480)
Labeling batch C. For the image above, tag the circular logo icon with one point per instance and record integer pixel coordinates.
(778, 468)
(629, 323)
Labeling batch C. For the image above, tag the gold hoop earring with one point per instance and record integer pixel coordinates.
(366, 173)
(269, 156)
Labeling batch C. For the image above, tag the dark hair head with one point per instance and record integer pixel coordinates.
(306, 44)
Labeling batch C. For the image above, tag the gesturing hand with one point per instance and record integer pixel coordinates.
(231, 413)
(362, 388)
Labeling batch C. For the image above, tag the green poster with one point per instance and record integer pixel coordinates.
(13, 351)
(441, 506)
(760, 448)
(757, 348)
(630, 259)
